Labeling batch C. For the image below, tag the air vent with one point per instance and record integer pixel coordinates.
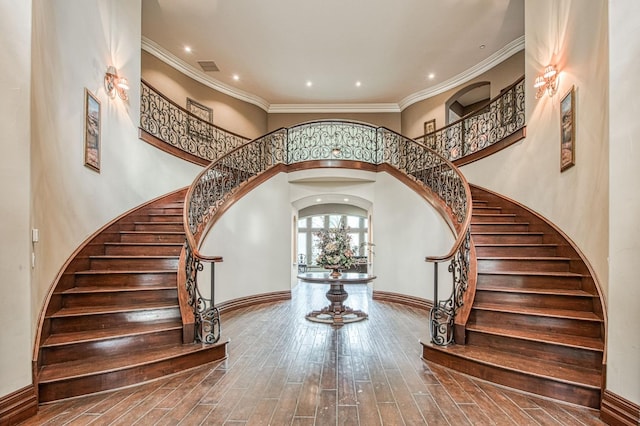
(208, 66)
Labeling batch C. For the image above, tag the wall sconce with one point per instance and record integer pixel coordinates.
(114, 84)
(547, 82)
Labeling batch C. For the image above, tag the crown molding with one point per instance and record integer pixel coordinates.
(165, 56)
(178, 64)
(332, 108)
(501, 55)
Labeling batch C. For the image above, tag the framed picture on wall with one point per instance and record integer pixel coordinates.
(202, 112)
(567, 130)
(429, 127)
(91, 131)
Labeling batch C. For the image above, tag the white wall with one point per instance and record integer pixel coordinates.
(573, 35)
(15, 246)
(73, 43)
(623, 368)
(255, 235)
(254, 238)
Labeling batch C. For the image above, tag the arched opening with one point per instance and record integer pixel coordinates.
(466, 100)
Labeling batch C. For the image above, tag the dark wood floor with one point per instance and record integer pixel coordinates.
(285, 370)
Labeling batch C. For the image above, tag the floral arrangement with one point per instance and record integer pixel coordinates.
(335, 248)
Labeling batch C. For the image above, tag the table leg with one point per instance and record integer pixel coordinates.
(336, 314)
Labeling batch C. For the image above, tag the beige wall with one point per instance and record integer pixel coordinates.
(500, 76)
(623, 369)
(73, 43)
(228, 112)
(390, 120)
(15, 246)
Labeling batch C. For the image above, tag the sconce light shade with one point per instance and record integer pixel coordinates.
(546, 82)
(114, 84)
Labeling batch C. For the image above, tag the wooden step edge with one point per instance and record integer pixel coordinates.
(115, 309)
(507, 233)
(196, 347)
(537, 273)
(118, 333)
(132, 257)
(125, 271)
(594, 386)
(494, 214)
(502, 223)
(537, 337)
(142, 243)
(138, 232)
(118, 289)
(531, 258)
(515, 245)
(539, 312)
(539, 291)
(154, 223)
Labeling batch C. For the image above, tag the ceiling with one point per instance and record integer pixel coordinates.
(391, 47)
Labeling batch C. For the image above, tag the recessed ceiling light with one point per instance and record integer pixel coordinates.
(431, 76)
(309, 84)
(236, 77)
(358, 84)
(482, 46)
(187, 49)
(318, 200)
(346, 200)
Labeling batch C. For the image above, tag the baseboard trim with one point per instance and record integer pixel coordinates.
(256, 299)
(18, 406)
(403, 299)
(617, 411)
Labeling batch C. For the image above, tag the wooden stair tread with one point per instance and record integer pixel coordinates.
(132, 256)
(538, 311)
(506, 232)
(97, 310)
(494, 214)
(543, 291)
(142, 243)
(153, 232)
(565, 373)
(124, 271)
(514, 245)
(156, 223)
(573, 341)
(133, 329)
(97, 365)
(536, 273)
(115, 289)
(533, 258)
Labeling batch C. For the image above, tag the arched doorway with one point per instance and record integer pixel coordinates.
(466, 100)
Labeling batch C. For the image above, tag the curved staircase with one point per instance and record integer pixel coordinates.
(536, 323)
(113, 319)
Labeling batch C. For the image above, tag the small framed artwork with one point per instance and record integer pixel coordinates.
(202, 112)
(567, 130)
(91, 131)
(429, 127)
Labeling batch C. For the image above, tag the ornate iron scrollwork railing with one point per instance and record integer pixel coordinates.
(325, 142)
(503, 116)
(163, 119)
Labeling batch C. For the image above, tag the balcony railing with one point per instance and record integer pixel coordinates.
(163, 119)
(503, 116)
(328, 144)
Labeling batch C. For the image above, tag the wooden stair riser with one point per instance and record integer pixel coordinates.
(127, 280)
(151, 237)
(586, 396)
(143, 249)
(486, 209)
(114, 298)
(507, 238)
(492, 217)
(158, 226)
(541, 323)
(165, 210)
(540, 350)
(134, 263)
(110, 347)
(525, 281)
(499, 227)
(516, 250)
(506, 264)
(156, 218)
(76, 386)
(70, 324)
(535, 300)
